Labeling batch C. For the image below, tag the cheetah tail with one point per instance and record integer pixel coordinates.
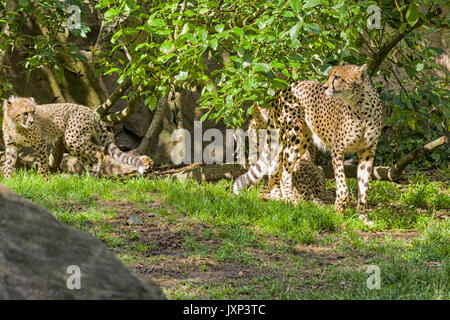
(265, 165)
(116, 153)
(127, 159)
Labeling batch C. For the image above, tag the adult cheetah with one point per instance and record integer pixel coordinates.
(343, 116)
(309, 182)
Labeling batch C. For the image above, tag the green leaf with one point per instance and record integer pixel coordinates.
(121, 78)
(167, 45)
(135, 80)
(166, 57)
(313, 3)
(131, 4)
(293, 33)
(203, 118)
(213, 43)
(202, 33)
(261, 67)
(219, 28)
(412, 14)
(412, 124)
(111, 13)
(152, 22)
(238, 31)
(313, 27)
(203, 10)
(276, 64)
(280, 83)
(182, 75)
(112, 70)
(151, 102)
(141, 45)
(186, 28)
(209, 87)
(296, 6)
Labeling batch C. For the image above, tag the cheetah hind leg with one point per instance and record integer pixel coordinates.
(91, 157)
(100, 155)
(96, 167)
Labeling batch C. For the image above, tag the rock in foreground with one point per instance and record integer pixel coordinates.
(40, 259)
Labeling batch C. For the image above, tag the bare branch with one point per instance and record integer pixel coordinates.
(125, 113)
(114, 97)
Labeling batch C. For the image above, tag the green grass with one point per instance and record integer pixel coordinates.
(206, 243)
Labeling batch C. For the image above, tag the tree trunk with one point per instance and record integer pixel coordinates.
(150, 138)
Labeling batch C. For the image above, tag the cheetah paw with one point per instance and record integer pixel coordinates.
(365, 219)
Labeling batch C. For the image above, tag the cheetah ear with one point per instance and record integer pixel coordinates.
(363, 71)
(8, 102)
(342, 63)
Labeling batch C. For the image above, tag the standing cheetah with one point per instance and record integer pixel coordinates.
(309, 182)
(26, 123)
(343, 116)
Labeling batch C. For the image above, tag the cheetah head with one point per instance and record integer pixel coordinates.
(344, 80)
(20, 110)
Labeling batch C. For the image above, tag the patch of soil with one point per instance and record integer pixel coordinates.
(407, 235)
(197, 269)
(166, 259)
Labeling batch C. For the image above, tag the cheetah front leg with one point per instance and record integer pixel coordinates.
(364, 171)
(274, 178)
(289, 158)
(299, 141)
(274, 172)
(341, 202)
(10, 159)
(42, 158)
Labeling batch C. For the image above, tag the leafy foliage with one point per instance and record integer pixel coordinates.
(237, 52)
(36, 28)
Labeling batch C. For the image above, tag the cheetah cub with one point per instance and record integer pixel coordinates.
(26, 123)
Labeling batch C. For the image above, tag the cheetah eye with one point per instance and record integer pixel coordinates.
(25, 114)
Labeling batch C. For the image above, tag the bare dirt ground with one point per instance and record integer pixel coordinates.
(168, 261)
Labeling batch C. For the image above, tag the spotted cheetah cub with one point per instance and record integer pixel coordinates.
(26, 123)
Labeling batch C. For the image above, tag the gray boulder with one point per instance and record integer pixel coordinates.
(41, 258)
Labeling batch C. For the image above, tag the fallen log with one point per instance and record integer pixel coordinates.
(227, 171)
(217, 172)
(394, 173)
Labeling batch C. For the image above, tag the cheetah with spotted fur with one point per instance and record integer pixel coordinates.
(26, 123)
(344, 115)
(309, 182)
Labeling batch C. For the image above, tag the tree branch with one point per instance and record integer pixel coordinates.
(154, 127)
(396, 171)
(125, 113)
(379, 56)
(114, 97)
